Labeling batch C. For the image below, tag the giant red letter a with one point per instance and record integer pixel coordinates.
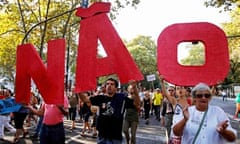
(96, 24)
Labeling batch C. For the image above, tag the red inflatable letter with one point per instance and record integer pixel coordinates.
(216, 64)
(50, 80)
(95, 25)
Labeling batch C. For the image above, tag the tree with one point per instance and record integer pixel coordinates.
(226, 5)
(143, 50)
(196, 55)
(39, 21)
(233, 32)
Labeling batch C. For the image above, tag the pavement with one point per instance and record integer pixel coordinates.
(146, 134)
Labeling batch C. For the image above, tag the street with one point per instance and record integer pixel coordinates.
(146, 134)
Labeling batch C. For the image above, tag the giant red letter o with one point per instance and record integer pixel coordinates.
(216, 64)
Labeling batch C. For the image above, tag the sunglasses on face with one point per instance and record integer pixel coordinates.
(170, 90)
(203, 95)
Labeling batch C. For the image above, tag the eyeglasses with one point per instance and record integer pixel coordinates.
(203, 95)
(170, 90)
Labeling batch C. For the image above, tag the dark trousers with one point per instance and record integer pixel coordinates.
(53, 134)
(157, 111)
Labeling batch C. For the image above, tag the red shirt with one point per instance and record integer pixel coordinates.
(2, 97)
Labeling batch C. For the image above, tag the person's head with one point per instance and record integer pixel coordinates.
(171, 90)
(180, 91)
(158, 90)
(188, 92)
(201, 93)
(103, 88)
(130, 90)
(7, 93)
(147, 94)
(111, 86)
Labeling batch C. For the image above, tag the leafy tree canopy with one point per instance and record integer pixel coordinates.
(39, 21)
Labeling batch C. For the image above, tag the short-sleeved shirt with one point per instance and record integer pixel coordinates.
(52, 114)
(73, 100)
(208, 133)
(157, 98)
(110, 117)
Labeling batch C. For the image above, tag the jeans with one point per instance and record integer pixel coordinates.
(53, 134)
(157, 111)
(39, 125)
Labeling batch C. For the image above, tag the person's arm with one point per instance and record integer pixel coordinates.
(63, 109)
(179, 126)
(224, 132)
(83, 97)
(163, 112)
(164, 91)
(136, 98)
(38, 112)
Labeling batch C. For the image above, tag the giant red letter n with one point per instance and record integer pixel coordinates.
(49, 81)
(95, 25)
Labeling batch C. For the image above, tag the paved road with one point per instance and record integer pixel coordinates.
(146, 134)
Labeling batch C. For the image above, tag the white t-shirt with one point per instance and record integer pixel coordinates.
(208, 133)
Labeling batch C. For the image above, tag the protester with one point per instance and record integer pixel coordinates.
(31, 116)
(73, 103)
(39, 122)
(157, 101)
(237, 111)
(5, 117)
(19, 118)
(131, 119)
(52, 131)
(224, 95)
(203, 123)
(177, 100)
(188, 96)
(110, 118)
(147, 105)
(167, 109)
(86, 109)
(38, 128)
(94, 111)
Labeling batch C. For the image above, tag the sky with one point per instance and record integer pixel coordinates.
(152, 16)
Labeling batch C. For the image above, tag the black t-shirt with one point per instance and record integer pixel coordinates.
(110, 118)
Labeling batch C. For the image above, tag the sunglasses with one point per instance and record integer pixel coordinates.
(203, 95)
(170, 90)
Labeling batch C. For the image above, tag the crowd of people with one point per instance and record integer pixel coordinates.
(108, 113)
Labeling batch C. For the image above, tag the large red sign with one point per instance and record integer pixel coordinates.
(216, 64)
(95, 25)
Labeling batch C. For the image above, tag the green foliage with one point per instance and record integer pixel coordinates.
(143, 51)
(37, 22)
(226, 5)
(233, 32)
(196, 56)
